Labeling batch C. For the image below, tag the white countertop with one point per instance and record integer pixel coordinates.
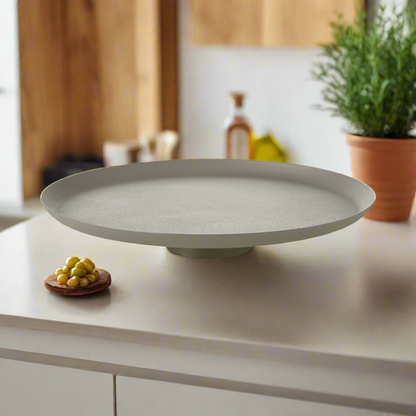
(351, 293)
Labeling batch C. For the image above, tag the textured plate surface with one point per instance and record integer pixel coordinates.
(208, 203)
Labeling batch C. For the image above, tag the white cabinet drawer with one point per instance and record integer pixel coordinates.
(155, 398)
(28, 389)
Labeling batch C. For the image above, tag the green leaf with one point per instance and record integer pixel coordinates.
(368, 72)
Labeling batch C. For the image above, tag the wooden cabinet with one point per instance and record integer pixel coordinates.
(35, 389)
(89, 72)
(156, 398)
(272, 23)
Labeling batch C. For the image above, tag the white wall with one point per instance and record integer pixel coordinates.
(10, 143)
(280, 96)
(279, 91)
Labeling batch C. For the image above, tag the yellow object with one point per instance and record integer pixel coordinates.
(83, 282)
(88, 263)
(59, 271)
(78, 271)
(72, 282)
(72, 261)
(62, 278)
(80, 264)
(92, 278)
(267, 148)
(88, 267)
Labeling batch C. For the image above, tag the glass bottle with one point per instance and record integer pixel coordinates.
(238, 131)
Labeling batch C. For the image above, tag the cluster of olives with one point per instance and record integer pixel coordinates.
(77, 272)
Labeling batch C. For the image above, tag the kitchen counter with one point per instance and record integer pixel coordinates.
(345, 300)
(352, 292)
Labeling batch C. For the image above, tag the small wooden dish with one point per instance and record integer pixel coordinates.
(103, 282)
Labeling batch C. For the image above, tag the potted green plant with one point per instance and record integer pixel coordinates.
(369, 75)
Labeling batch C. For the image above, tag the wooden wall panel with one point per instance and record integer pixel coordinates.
(81, 73)
(169, 63)
(272, 23)
(113, 74)
(308, 24)
(229, 22)
(117, 91)
(148, 66)
(90, 72)
(42, 89)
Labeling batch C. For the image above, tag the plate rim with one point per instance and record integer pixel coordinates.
(184, 240)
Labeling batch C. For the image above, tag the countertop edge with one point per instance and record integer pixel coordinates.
(217, 346)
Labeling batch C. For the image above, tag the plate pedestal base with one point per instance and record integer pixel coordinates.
(209, 253)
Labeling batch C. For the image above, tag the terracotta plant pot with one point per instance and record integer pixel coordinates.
(389, 167)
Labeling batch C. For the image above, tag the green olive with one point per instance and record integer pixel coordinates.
(72, 261)
(83, 282)
(59, 271)
(87, 266)
(78, 271)
(87, 260)
(72, 282)
(65, 269)
(96, 273)
(62, 278)
(80, 264)
(76, 277)
(91, 278)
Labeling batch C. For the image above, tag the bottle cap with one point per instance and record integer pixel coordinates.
(238, 98)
